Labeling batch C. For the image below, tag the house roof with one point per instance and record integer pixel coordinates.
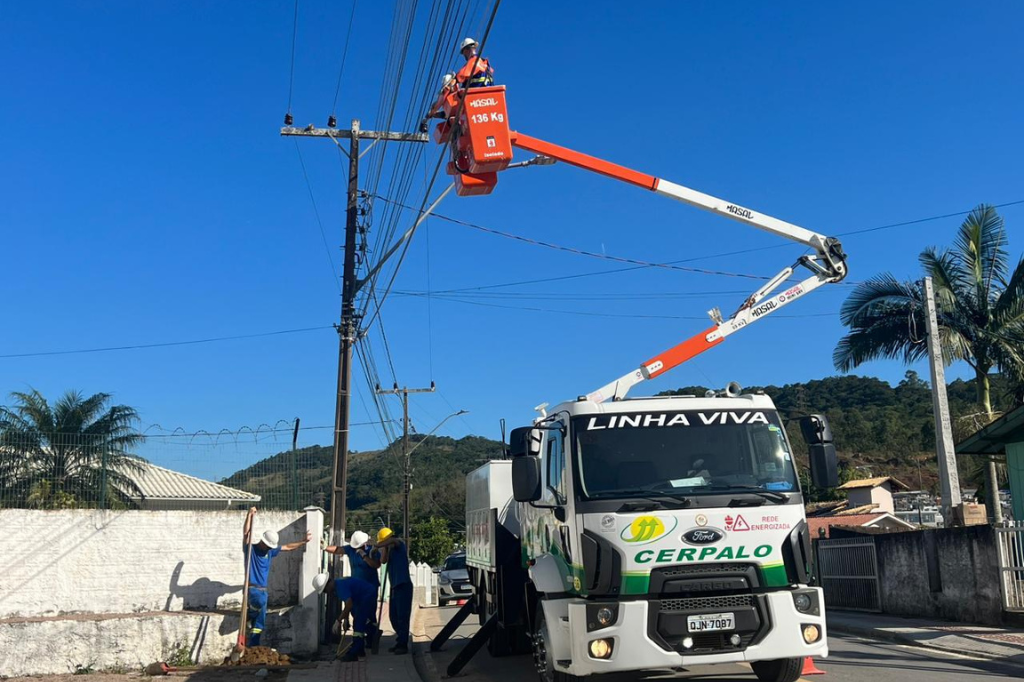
(992, 439)
(873, 483)
(158, 483)
(852, 521)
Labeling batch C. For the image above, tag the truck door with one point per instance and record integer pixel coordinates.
(557, 481)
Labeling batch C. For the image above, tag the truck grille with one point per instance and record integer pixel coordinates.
(667, 622)
(701, 569)
(708, 603)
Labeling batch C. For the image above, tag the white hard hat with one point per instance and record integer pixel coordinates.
(466, 43)
(358, 539)
(320, 582)
(270, 539)
(447, 79)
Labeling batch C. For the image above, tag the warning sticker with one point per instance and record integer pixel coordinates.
(736, 524)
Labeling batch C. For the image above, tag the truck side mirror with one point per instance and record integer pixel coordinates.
(824, 464)
(524, 440)
(526, 478)
(815, 429)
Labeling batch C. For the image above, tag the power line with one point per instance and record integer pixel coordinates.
(316, 212)
(164, 344)
(581, 252)
(632, 316)
(344, 56)
(924, 220)
(291, 71)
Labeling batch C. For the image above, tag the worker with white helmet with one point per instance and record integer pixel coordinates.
(477, 72)
(358, 598)
(263, 550)
(363, 559)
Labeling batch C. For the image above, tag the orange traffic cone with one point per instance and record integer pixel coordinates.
(810, 668)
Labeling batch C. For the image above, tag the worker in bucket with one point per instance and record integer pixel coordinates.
(359, 599)
(363, 559)
(477, 72)
(263, 551)
(395, 555)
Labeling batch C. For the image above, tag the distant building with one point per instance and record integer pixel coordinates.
(929, 516)
(874, 492)
(164, 489)
(821, 526)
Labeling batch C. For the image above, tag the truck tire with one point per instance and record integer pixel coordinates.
(542, 660)
(782, 670)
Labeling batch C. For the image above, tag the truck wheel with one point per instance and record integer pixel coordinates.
(782, 670)
(542, 659)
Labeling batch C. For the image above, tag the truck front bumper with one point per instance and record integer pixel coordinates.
(650, 634)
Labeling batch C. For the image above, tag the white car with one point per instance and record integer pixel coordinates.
(453, 579)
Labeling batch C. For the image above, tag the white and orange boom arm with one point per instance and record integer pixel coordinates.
(827, 264)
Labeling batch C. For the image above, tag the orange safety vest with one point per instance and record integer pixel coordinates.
(481, 76)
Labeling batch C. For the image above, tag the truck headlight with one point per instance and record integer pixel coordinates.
(806, 601)
(601, 616)
(601, 648)
(811, 633)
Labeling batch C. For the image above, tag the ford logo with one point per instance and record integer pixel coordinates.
(702, 536)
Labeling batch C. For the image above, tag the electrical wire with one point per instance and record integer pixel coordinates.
(291, 70)
(323, 235)
(164, 344)
(344, 56)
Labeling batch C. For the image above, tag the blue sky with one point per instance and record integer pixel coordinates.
(148, 197)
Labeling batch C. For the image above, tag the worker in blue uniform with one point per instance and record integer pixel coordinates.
(260, 554)
(395, 556)
(358, 599)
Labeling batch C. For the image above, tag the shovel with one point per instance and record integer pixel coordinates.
(239, 649)
(375, 646)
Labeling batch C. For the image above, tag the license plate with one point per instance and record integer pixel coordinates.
(711, 622)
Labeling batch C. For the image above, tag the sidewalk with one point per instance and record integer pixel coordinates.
(383, 667)
(1001, 644)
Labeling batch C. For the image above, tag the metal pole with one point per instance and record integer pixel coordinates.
(405, 459)
(948, 477)
(295, 467)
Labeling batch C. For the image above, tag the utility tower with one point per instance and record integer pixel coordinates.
(406, 461)
(349, 324)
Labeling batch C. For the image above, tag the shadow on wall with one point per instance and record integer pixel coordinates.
(202, 595)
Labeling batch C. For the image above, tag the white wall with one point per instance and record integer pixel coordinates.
(93, 561)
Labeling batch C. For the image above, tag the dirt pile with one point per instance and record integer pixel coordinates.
(263, 655)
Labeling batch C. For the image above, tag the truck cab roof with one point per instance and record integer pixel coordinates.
(675, 403)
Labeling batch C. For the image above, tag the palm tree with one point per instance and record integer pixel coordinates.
(980, 312)
(73, 453)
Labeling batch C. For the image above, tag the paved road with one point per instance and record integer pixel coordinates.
(853, 659)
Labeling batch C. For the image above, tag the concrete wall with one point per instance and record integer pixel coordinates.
(94, 561)
(50, 646)
(949, 573)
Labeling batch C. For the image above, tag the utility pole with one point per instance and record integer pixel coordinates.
(949, 479)
(406, 460)
(348, 326)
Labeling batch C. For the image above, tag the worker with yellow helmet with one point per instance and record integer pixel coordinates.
(395, 555)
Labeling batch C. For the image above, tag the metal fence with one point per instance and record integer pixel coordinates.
(166, 470)
(847, 570)
(1011, 565)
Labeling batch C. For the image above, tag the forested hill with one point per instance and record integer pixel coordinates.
(879, 430)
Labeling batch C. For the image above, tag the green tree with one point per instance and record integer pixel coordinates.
(75, 452)
(980, 311)
(431, 541)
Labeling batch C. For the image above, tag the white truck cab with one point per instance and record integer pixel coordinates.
(658, 533)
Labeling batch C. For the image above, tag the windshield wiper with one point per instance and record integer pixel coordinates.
(769, 495)
(646, 493)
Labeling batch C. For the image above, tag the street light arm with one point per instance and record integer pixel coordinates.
(440, 424)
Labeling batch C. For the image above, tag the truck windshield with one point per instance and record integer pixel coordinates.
(692, 453)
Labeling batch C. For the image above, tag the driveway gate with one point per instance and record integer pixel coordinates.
(847, 570)
(1011, 565)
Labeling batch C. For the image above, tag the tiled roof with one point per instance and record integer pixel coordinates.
(873, 483)
(853, 520)
(158, 483)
